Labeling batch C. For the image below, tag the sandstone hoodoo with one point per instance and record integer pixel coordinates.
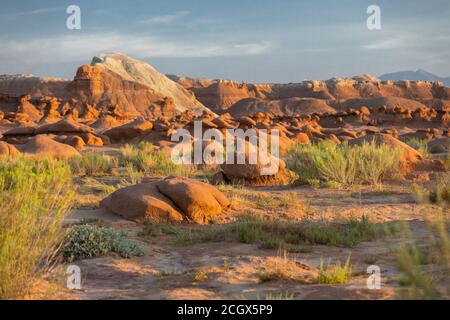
(173, 199)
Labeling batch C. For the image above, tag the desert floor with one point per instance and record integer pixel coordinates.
(223, 267)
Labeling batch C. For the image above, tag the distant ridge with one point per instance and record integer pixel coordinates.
(415, 76)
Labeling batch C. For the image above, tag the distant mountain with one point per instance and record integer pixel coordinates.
(415, 75)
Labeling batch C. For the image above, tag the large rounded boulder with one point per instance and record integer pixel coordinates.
(173, 199)
(200, 202)
(43, 145)
(142, 202)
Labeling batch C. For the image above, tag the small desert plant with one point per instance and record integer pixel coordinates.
(92, 164)
(334, 273)
(421, 145)
(343, 164)
(200, 276)
(35, 196)
(89, 241)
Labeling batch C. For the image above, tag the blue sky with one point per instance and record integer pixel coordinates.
(244, 40)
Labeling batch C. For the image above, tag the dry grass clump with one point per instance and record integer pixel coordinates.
(334, 273)
(35, 196)
(92, 164)
(285, 204)
(346, 165)
(285, 268)
(146, 158)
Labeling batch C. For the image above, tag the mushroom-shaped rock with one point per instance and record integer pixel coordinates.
(142, 202)
(199, 201)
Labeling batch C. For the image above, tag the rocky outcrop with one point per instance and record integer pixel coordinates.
(287, 107)
(133, 86)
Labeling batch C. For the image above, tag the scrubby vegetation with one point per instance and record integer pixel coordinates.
(343, 164)
(274, 233)
(438, 192)
(145, 158)
(183, 236)
(35, 196)
(89, 241)
(92, 164)
(418, 281)
(286, 203)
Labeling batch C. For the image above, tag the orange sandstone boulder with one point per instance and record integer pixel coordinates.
(142, 202)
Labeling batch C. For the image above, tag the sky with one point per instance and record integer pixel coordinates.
(244, 40)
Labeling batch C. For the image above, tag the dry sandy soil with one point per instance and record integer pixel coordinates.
(168, 270)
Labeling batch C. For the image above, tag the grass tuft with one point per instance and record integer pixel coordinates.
(92, 164)
(334, 273)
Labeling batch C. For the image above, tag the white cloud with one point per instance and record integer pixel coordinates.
(396, 42)
(35, 12)
(76, 48)
(166, 19)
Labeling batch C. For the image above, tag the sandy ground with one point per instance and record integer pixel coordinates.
(167, 270)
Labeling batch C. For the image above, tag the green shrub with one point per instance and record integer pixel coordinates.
(92, 164)
(145, 158)
(35, 196)
(89, 241)
(346, 165)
